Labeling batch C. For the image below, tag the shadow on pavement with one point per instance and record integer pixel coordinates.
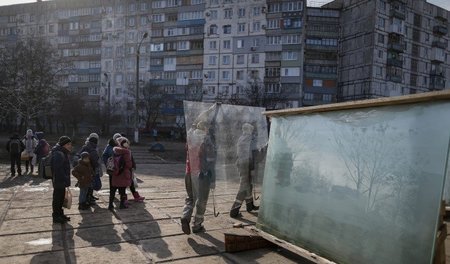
(11, 181)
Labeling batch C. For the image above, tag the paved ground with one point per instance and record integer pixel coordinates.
(144, 233)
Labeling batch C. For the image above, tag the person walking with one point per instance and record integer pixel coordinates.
(42, 148)
(60, 165)
(199, 176)
(121, 176)
(15, 147)
(30, 143)
(84, 173)
(245, 164)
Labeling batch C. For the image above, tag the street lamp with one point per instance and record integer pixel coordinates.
(136, 114)
(108, 106)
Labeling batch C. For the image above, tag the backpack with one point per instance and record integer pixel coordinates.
(110, 164)
(45, 170)
(119, 164)
(14, 146)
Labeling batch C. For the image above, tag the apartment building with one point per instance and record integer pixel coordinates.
(391, 47)
(321, 56)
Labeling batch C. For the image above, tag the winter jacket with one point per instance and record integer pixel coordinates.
(84, 173)
(30, 143)
(108, 152)
(60, 165)
(42, 149)
(91, 148)
(123, 179)
(201, 152)
(21, 147)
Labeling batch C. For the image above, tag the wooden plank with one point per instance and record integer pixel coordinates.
(292, 248)
(439, 253)
(242, 242)
(385, 101)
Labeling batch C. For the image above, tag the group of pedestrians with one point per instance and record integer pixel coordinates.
(120, 166)
(31, 148)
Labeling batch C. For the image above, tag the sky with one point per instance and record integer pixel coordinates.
(442, 3)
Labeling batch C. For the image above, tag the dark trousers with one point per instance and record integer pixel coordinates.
(15, 161)
(58, 200)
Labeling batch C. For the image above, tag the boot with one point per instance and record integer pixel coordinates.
(137, 197)
(111, 200)
(90, 196)
(31, 169)
(185, 226)
(83, 206)
(234, 212)
(123, 200)
(251, 207)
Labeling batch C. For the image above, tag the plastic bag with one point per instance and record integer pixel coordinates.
(67, 199)
(135, 183)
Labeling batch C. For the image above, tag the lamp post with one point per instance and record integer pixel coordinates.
(108, 106)
(136, 114)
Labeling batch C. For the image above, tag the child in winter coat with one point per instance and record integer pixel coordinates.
(84, 173)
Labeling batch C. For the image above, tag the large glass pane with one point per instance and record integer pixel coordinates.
(358, 186)
(225, 126)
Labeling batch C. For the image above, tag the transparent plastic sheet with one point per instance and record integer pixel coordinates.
(225, 127)
(358, 186)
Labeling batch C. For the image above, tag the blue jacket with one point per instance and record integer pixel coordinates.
(60, 167)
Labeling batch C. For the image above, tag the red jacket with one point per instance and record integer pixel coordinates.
(123, 179)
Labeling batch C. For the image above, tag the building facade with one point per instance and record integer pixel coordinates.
(391, 47)
(230, 50)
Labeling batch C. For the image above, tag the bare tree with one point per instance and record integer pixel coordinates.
(255, 94)
(29, 79)
(150, 105)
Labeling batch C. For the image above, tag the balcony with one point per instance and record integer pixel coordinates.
(396, 62)
(398, 13)
(437, 83)
(399, 46)
(442, 44)
(440, 15)
(398, 29)
(394, 78)
(437, 71)
(440, 29)
(437, 55)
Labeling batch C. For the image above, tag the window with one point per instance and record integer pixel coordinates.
(241, 12)
(226, 60)
(212, 60)
(256, 26)
(213, 45)
(380, 38)
(255, 42)
(213, 29)
(213, 14)
(227, 29)
(273, 23)
(131, 22)
(228, 13)
(327, 97)
(225, 75)
(241, 27)
(317, 83)
(255, 58)
(381, 22)
(51, 28)
(227, 44)
(256, 11)
(240, 59)
(211, 75)
(289, 55)
(183, 45)
(308, 96)
(240, 75)
(240, 43)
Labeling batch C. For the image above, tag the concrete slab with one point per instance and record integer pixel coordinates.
(52, 257)
(110, 254)
(31, 243)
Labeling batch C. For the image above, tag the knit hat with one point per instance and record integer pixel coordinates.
(64, 140)
(116, 136)
(84, 154)
(93, 140)
(122, 140)
(93, 135)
